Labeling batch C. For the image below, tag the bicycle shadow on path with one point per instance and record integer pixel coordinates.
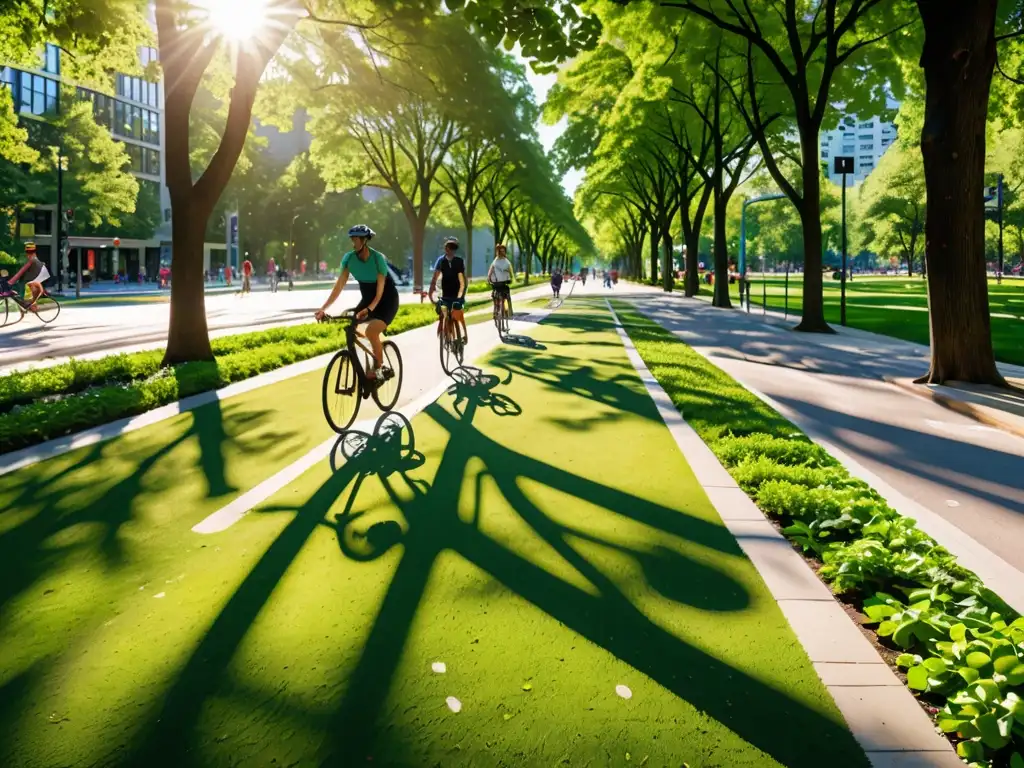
(792, 732)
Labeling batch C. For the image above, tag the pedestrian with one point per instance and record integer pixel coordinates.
(227, 275)
(556, 282)
(246, 276)
(615, 277)
(607, 279)
(272, 274)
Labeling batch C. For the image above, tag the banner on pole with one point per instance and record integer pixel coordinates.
(232, 239)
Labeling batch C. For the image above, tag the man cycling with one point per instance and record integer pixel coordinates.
(501, 274)
(452, 272)
(35, 274)
(379, 303)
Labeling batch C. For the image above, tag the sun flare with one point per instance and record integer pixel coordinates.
(237, 20)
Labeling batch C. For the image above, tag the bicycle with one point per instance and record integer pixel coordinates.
(502, 311)
(47, 307)
(452, 342)
(345, 381)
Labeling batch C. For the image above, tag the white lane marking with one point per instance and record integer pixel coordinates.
(952, 503)
(227, 516)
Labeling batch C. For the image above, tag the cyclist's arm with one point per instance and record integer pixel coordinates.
(433, 283)
(18, 274)
(490, 273)
(462, 285)
(339, 286)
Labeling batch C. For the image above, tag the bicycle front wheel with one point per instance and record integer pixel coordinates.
(47, 308)
(4, 311)
(386, 393)
(341, 392)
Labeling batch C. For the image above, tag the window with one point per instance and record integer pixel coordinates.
(121, 79)
(51, 59)
(866, 158)
(864, 165)
(137, 122)
(824, 154)
(7, 77)
(153, 96)
(848, 135)
(136, 91)
(866, 137)
(867, 146)
(847, 149)
(866, 124)
(38, 96)
(118, 126)
(51, 95)
(151, 162)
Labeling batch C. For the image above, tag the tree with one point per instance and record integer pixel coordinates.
(467, 165)
(499, 198)
(894, 196)
(798, 60)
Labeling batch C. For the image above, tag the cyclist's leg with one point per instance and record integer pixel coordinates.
(37, 291)
(460, 317)
(373, 332)
(441, 317)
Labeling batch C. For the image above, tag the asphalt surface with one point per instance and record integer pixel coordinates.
(87, 329)
(969, 474)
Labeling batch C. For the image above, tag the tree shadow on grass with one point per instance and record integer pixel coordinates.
(791, 732)
(62, 497)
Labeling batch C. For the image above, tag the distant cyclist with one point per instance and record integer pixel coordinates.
(35, 274)
(556, 282)
(501, 274)
(379, 303)
(452, 272)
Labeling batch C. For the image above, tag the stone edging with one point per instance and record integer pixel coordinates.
(880, 711)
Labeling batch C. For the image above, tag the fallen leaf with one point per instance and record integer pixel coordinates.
(527, 687)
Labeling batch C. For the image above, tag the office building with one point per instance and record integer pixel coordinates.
(865, 140)
(134, 116)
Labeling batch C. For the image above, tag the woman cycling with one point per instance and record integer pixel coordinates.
(379, 303)
(501, 274)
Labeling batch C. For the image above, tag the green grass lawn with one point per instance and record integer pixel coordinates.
(589, 606)
(895, 306)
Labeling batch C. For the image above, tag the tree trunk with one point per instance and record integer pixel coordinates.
(813, 320)
(654, 257)
(958, 59)
(469, 252)
(668, 271)
(188, 336)
(692, 278)
(721, 294)
(419, 233)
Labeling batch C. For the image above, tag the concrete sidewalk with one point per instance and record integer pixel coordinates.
(937, 461)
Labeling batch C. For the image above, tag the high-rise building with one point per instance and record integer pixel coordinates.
(863, 139)
(134, 116)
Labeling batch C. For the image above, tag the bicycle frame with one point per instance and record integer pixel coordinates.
(353, 340)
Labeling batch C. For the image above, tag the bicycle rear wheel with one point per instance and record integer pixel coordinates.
(4, 311)
(386, 393)
(341, 392)
(47, 308)
(506, 315)
(447, 358)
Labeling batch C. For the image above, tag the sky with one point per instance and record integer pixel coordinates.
(548, 133)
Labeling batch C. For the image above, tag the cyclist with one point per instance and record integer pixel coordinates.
(501, 274)
(35, 274)
(379, 303)
(452, 272)
(556, 281)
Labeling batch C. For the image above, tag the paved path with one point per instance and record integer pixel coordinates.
(93, 330)
(485, 587)
(969, 474)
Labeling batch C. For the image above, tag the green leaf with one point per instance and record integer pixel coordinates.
(917, 678)
(970, 750)
(958, 632)
(1005, 664)
(1016, 675)
(991, 731)
(906, 660)
(977, 659)
(879, 612)
(969, 675)
(1016, 761)
(886, 628)
(935, 666)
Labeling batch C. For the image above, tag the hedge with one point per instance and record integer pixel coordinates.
(45, 403)
(962, 647)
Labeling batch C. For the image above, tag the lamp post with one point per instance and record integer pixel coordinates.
(291, 240)
(743, 240)
(843, 166)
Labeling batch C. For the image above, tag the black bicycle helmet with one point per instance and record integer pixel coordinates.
(361, 230)
(450, 240)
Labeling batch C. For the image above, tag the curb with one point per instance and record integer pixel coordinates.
(881, 713)
(979, 413)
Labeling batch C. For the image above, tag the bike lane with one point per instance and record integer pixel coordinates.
(525, 573)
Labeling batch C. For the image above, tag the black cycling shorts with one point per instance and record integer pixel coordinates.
(386, 308)
(502, 289)
(452, 303)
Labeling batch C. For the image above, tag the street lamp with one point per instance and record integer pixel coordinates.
(291, 239)
(743, 240)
